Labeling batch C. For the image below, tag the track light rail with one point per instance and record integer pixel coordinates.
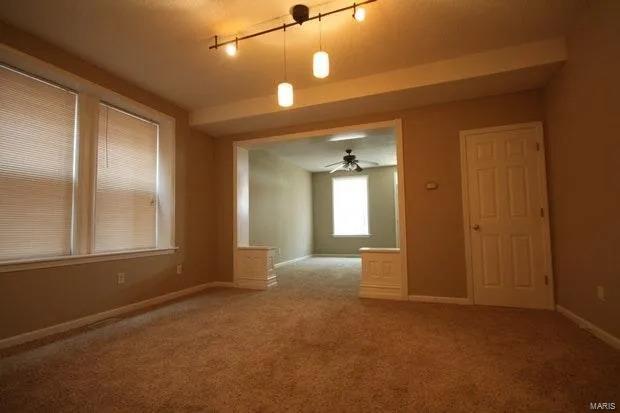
(284, 26)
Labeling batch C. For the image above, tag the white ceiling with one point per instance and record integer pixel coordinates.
(162, 45)
(313, 153)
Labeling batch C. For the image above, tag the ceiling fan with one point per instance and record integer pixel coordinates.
(349, 163)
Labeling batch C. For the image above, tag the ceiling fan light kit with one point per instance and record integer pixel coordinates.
(349, 163)
(320, 59)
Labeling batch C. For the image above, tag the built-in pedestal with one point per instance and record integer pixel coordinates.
(255, 267)
(381, 273)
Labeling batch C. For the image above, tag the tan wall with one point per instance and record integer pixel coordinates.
(38, 298)
(280, 205)
(435, 241)
(381, 213)
(583, 151)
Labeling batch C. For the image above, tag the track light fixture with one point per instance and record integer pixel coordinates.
(320, 60)
(301, 14)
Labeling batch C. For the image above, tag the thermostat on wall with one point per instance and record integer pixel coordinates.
(431, 185)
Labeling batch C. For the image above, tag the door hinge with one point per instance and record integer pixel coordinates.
(542, 212)
(546, 280)
(537, 146)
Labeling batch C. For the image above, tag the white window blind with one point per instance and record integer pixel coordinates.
(350, 202)
(126, 195)
(37, 132)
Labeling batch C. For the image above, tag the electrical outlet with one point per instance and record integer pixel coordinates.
(179, 268)
(121, 277)
(600, 292)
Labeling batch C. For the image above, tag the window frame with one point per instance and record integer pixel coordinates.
(361, 235)
(89, 95)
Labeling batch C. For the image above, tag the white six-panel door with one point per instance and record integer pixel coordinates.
(505, 208)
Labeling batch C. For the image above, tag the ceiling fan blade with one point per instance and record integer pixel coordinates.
(358, 168)
(332, 164)
(335, 169)
(369, 162)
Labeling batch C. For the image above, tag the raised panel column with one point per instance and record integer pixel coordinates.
(255, 267)
(381, 273)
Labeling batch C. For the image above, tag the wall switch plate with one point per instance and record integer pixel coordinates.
(121, 277)
(179, 268)
(600, 292)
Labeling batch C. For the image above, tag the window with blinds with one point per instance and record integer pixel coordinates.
(37, 134)
(126, 190)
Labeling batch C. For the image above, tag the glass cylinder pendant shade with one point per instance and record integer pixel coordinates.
(285, 94)
(320, 64)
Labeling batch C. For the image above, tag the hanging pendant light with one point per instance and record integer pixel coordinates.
(320, 60)
(285, 94)
(285, 89)
(320, 65)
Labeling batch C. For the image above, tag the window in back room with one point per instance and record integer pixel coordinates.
(350, 205)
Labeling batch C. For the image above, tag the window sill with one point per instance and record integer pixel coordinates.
(352, 236)
(35, 263)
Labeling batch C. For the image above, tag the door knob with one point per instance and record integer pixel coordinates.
(476, 227)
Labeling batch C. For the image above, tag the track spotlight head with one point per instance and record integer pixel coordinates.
(231, 49)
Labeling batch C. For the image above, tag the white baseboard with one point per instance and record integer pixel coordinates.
(229, 284)
(337, 255)
(115, 312)
(385, 292)
(443, 300)
(587, 325)
(252, 283)
(280, 264)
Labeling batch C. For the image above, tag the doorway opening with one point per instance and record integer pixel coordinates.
(327, 197)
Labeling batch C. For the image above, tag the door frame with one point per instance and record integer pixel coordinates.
(396, 124)
(538, 127)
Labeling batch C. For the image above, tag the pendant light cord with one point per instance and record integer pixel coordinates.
(284, 26)
(320, 33)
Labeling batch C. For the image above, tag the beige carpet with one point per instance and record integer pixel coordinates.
(311, 345)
